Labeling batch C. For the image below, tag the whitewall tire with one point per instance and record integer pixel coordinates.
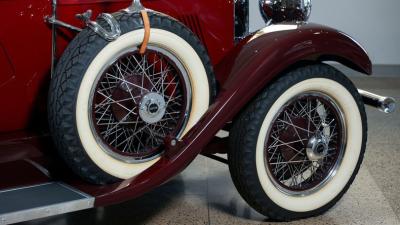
(273, 159)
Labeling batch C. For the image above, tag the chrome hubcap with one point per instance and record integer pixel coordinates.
(317, 147)
(152, 108)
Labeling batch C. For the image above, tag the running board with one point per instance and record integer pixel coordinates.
(43, 200)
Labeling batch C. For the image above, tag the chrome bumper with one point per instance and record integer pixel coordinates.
(383, 103)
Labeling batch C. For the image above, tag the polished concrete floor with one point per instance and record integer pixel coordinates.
(204, 192)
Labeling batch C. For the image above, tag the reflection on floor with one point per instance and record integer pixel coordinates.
(205, 194)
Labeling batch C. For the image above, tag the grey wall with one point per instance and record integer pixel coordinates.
(375, 24)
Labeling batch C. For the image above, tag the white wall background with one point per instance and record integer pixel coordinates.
(373, 23)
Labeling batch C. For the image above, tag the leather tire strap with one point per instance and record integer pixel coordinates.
(146, 23)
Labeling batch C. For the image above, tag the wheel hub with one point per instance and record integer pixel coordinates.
(317, 147)
(152, 107)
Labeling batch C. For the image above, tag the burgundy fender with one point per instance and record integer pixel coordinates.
(256, 61)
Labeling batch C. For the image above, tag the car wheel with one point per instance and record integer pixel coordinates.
(111, 107)
(295, 150)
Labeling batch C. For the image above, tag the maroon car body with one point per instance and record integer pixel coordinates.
(243, 67)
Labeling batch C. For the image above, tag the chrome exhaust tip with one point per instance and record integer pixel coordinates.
(383, 103)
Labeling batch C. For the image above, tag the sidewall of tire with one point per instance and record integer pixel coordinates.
(158, 37)
(354, 145)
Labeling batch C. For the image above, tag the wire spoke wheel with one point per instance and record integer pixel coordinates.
(296, 149)
(138, 101)
(305, 144)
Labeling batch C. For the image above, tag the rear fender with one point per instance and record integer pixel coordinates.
(277, 47)
(261, 57)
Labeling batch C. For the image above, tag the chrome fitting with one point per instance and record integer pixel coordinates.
(53, 20)
(115, 30)
(135, 7)
(383, 103)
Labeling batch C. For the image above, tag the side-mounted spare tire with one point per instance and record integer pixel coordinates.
(111, 107)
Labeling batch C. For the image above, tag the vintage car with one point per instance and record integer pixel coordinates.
(132, 97)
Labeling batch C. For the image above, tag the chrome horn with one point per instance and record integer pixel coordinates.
(384, 104)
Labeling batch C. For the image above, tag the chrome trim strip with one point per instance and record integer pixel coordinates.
(62, 207)
(39, 167)
(29, 186)
(53, 39)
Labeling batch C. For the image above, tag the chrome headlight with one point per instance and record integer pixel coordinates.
(275, 11)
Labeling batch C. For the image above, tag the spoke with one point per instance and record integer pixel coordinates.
(150, 132)
(127, 87)
(309, 117)
(173, 92)
(122, 120)
(144, 73)
(111, 131)
(111, 102)
(129, 66)
(303, 110)
(161, 126)
(291, 175)
(107, 89)
(298, 161)
(272, 156)
(119, 104)
(295, 129)
(115, 123)
(283, 121)
(140, 143)
(299, 172)
(287, 143)
(104, 113)
(283, 174)
(298, 151)
(117, 137)
(130, 83)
